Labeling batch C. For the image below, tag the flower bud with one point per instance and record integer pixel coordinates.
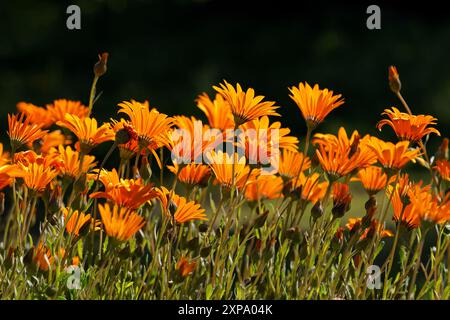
(100, 67)
(394, 80)
(317, 210)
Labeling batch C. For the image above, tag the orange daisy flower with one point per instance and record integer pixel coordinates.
(185, 267)
(229, 170)
(264, 187)
(87, 131)
(261, 140)
(428, 207)
(341, 199)
(59, 108)
(7, 173)
(340, 156)
(292, 163)
(44, 258)
(245, 106)
(443, 167)
(218, 112)
(408, 127)
(310, 187)
(49, 142)
(120, 223)
(373, 179)
(192, 174)
(375, 226)
(178, 208)
(69, 162)
(392, 156)
(314, 103)
(150, 125)
(75, 221)
(22, 131)
(35, 114)
(37, 176)
(4, 156)
(129, 193)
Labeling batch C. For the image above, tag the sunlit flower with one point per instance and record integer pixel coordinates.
(218, 112)
(245, 106)
(120, 223)
(74, 221)
(314, 103)
(310, 187)
(375, 226)
(443, 167)
(59, 108)
(178, 208)
(128, 193)
(4, 156)
(150, 125)
(192, 174)
(22, 131)
(408, 127)
(392, 156)
(292, 163)
(49, 141)
(340, 156)
(185, 267)
(44, 258)
(69, 162)
(264, 187)
(7, 173)
(428, 207)
(87, 131)
(373, 179)
(37, 176)
(262, 140)
(35, 114)
(229, 170)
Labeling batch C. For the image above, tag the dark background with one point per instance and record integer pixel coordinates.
(170, 51)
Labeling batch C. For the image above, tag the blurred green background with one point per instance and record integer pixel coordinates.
(170, 51)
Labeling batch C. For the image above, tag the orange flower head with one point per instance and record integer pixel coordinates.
(245, 106)
(314, 103)
(35, 114)
(87, 131)
(373, 179)
(309, 187)
(75, 221)
(230, 170)
(192, 174)
(69, 162)
(428, 207)
(408, 127)
(37, 176)
(44, 258)
(4, 156)
(341, 199)
(22, 131)
(120, 223)
(375, 226)
(264, 187)
(218, 112)
(443, 167)
(185, 267)
(178, 208)
(392, 156)
(49, 141)
(292, 163)
(340, 155)
(150, 125)
(61, 107)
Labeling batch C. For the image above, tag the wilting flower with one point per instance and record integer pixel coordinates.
(22, 131)
(75, 221)
(35, 114)
(89, 134)
(373, 179)
(443, 167)
(59, 108)
(392, 156)
(192, 174)
(408, 127)
(150, 125)
(314, 103)
(264, 187)
(341, 199)
(218, 112)
(69, 162)
(178, 209)
(120, 223)
(230, 170)
(128, 193)
(292, 163)
(185, 267)
(340, 156)
(245, 106)
(262, 141)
